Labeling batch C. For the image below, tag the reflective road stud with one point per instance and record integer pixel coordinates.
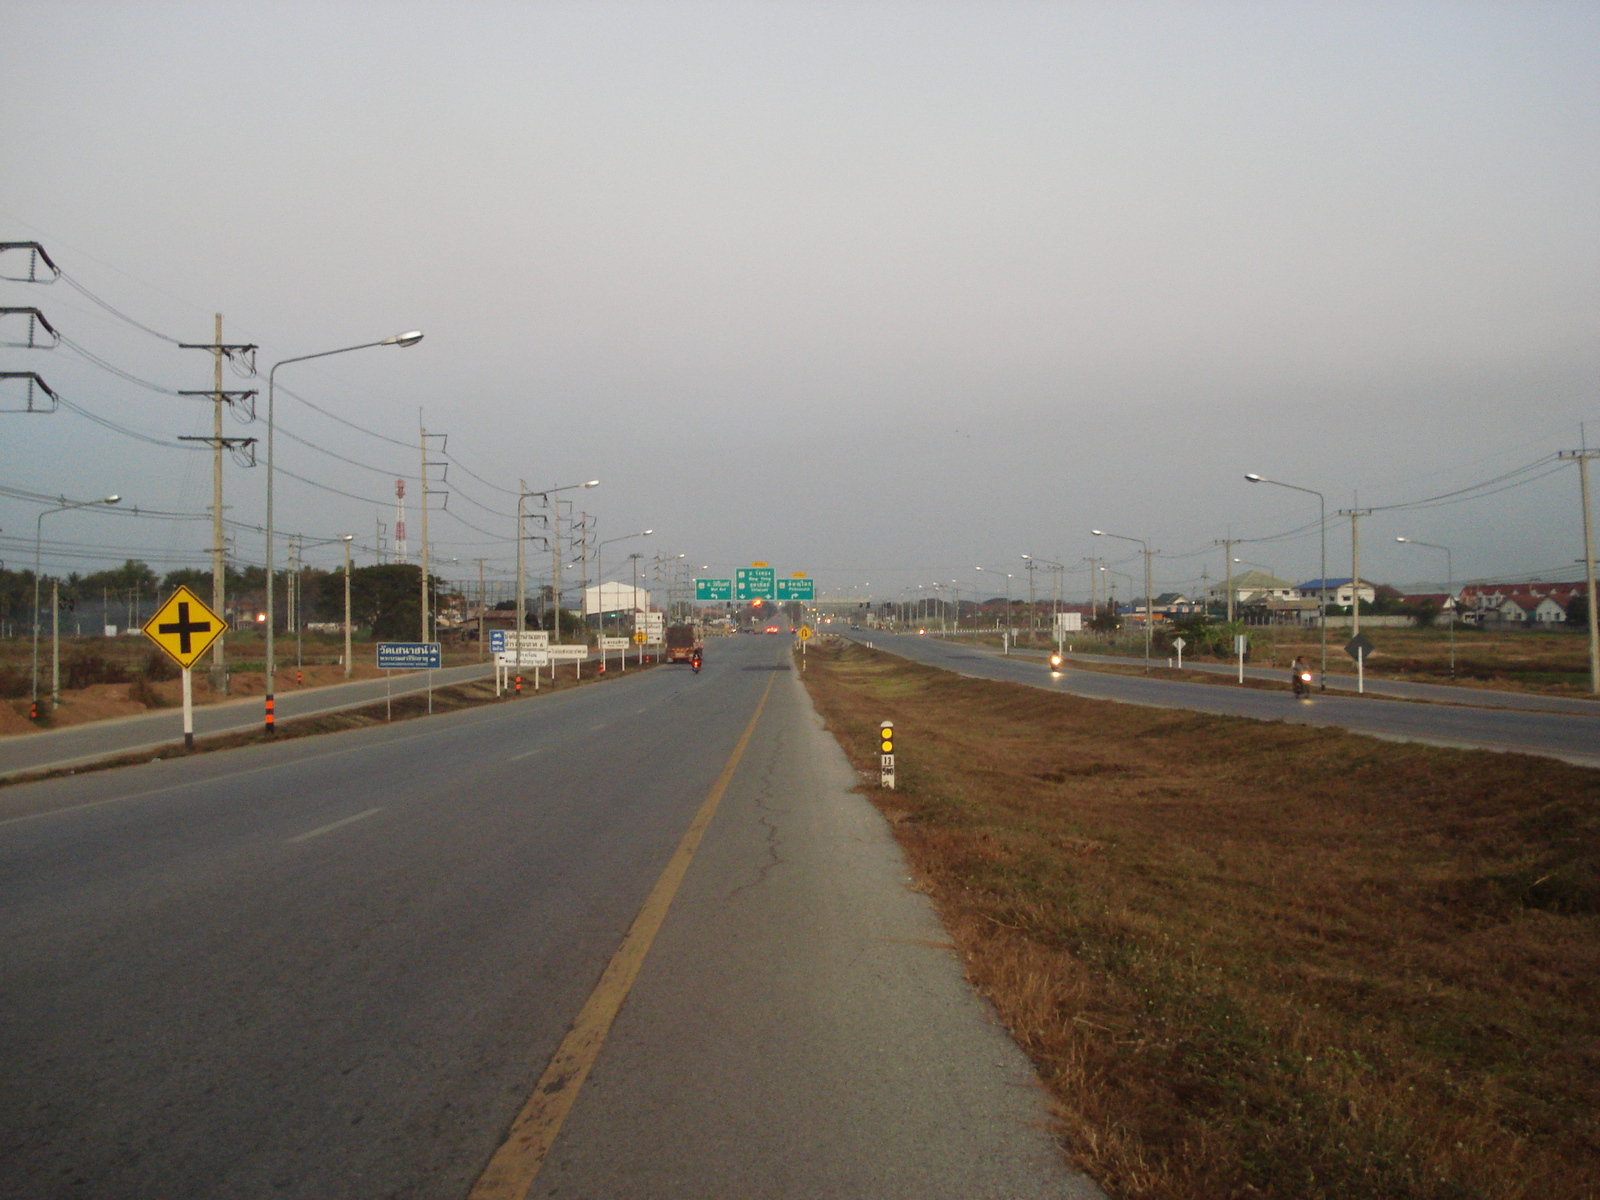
(886, 755)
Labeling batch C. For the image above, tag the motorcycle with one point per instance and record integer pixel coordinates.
(695, 663)
(1301, 683)
(1056, 664)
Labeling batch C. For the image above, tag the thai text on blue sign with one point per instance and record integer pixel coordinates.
(409, 656)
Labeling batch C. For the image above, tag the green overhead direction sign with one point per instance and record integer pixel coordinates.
(713, 589)
(798, 588)
(756, 583)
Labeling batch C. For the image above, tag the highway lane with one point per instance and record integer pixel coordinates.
(1400, 689)
(336, 966)
(74, 744)
(1571, 737)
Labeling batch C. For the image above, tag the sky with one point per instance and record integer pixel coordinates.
(881, 292)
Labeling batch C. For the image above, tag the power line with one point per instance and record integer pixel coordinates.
(115, 312)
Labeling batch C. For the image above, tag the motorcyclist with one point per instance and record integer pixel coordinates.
(694, 661)
(1300, 676)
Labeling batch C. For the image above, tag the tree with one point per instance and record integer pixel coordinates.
(1105, 619)
(384, 599)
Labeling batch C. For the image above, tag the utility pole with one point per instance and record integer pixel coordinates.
(220, 350)
(1094, 586)
(1355, 515)
(1583, 456)
(482, 608)
(1227, 545)
(426, 492)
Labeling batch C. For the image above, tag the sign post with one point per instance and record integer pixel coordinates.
(608, 644)
(886, 755)
(1178, 644)
(1359, 648)
(1241, 643)
(184, 628)
(408, 656)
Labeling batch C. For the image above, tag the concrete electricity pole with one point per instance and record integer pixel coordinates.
(1227, 545)
(218, 443)
(1355, 515)
(1583, 457)
(426, 492)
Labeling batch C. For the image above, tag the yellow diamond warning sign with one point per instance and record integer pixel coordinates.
(184, 627)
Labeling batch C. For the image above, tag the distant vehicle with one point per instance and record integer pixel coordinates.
(770, 629)
(684, 643)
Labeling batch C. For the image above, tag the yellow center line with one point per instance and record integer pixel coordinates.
(511, 1172)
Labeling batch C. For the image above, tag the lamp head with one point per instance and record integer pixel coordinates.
(592, 483)
(347, 537)
(112, 500)
(1254, 479)
(647, 533)
(1098, 532)
(1399, 539)
(403, 339)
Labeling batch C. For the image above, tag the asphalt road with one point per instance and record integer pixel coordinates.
(1571, 737)
(336, 966)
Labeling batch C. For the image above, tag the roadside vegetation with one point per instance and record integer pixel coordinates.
(1256, 959)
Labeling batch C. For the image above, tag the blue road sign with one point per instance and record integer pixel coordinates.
(409, 656)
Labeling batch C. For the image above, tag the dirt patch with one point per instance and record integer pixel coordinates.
(1257, 959)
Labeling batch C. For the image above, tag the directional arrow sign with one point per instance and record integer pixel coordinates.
(184, 627)
(713, 589)
(797, 589)
(756, 583)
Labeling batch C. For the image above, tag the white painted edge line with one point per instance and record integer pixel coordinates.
(525, 754)
(362, 816)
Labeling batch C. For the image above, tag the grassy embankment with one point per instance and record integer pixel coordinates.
(108, 677)
(1253, 959)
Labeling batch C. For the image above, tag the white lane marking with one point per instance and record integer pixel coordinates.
(525, 754)
(335, 825)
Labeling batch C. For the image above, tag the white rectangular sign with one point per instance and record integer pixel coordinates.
(654, 624)
(528, 658)
(567, 653)
(613, 643)
(1069, 622)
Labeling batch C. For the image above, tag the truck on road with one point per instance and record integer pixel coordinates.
(683, 643)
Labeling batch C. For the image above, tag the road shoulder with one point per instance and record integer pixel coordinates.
(802, 1026)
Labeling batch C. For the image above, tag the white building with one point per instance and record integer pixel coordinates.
(1340, 591)
(615, 597)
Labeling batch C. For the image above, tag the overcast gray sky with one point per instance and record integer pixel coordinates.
(876, 291)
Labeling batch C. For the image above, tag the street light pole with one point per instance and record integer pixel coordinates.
(399, 339)
(38, 543)
(1149, 599)
(1450, 589)
(1322, 588)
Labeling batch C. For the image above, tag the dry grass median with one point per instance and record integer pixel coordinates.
(1254, 959)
